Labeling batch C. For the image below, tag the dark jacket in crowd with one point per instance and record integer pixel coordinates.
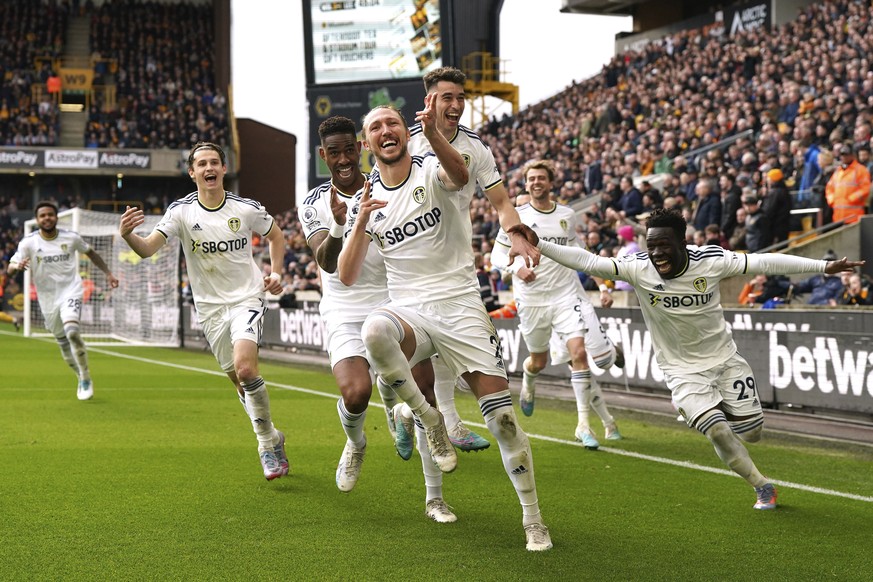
(777, 206)
(759, 235)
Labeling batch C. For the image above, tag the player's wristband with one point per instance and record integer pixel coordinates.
(275, 276)
(604, 289)
(337, 230)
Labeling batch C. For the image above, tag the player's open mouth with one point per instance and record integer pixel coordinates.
(662, 265)
(453, 117)
(387, 144)
(344, 172)
(210, 179)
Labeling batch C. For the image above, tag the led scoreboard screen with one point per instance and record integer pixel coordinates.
(370, 40)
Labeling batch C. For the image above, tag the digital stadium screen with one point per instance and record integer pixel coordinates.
(374, 40)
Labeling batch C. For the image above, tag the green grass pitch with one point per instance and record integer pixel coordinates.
(158, 478)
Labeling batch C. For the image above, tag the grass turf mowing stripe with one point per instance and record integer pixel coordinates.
(609, 450)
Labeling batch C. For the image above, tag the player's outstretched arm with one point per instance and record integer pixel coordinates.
(132, 219)
(842, 265)
(101, 264)
(508, 217)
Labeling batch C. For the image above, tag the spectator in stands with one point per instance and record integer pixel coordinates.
(707, 206)
(759, 234)
(737, 241)
(731, 201)
(848, 190)
(629, 246)
(630, 202)
(823, 289)
(855, 292)
(762, 288)
(777, 205)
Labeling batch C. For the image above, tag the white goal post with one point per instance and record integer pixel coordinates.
(143, 310)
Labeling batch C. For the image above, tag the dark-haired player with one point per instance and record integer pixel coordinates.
(50, 252)
(678, 290)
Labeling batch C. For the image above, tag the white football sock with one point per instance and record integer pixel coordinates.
(67, 354)
(528, 379)
(258, 406)
(514, 451)
(580, 380)
(433, 477)
(728, 447)
(80, 354)
(353, 424)
(598, 403)
(444, 391)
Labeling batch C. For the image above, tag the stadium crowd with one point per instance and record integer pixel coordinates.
(736, 131)
(28, 30)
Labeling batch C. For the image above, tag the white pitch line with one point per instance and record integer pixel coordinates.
(610, 450)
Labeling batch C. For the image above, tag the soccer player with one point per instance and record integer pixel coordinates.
(551, 299)
(447, 83)
(712, 386)
(414, 217)
(51, 253)
(215, 228)
(323, 215)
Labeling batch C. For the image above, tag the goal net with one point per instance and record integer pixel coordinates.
(143, 310)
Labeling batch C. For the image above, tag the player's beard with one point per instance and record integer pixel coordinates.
(392, 160)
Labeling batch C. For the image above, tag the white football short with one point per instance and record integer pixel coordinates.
(65, 309)
(344, 341)
(598, 346)
(459, 329)
(566, 319)
(732, 384)
(229, 324)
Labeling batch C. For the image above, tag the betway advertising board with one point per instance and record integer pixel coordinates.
(816, 359)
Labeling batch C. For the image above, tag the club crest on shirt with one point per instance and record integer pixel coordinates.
(233, 223)
(563, 224)
(467, 159)
(64, 247)
(418, 194)
(700, 284)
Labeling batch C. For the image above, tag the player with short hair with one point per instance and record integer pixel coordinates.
(50, 252)
(215, 227)
(323, 216)
(447, 83)
(414, 217)
(551, 300)
(678, 287)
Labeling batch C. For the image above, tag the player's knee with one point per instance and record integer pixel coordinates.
(534, 365)
(749, 429)
(381, 333)
(72, 333)
(605, 361)
(246, 371)
(356, 394)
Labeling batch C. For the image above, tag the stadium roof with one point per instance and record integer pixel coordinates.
(600, 7)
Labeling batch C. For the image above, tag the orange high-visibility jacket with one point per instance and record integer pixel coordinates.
(847, 192)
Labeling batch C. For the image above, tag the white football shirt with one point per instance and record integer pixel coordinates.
(554, 282)
(53, 265)
(422, 237)
(370, 290)
(217, 243)
(684, 314)
(478, 159)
